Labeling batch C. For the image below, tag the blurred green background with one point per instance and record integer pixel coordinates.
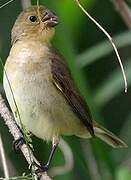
(95, 68)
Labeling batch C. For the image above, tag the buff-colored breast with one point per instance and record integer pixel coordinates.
(43, 109)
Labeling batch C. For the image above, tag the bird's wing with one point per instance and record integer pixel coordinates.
(64, 83)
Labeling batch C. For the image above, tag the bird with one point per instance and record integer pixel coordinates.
(39, 85)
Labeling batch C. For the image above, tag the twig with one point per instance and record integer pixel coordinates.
(110, 39)
(25, 3)
(14, 130)
(124, 10)
(69, 160)
(5, 4)
(90, 161)
(3, 159)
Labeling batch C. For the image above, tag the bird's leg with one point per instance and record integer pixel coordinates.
(54, 146)
(55, 143)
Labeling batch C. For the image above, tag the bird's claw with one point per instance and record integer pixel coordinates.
(41, 168)
(17, 143)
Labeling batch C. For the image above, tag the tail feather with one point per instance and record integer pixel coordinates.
(108, 137)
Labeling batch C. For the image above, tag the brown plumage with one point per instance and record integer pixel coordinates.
(63, 81)
(48, 100)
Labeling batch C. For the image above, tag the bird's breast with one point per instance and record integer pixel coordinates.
(43, 109)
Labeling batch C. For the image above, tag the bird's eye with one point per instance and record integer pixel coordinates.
(33, 18)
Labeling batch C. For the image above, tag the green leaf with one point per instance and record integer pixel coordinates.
(103, 49)
(112, 86)
(123, 173)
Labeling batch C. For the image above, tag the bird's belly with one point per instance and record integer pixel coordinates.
(43, 109)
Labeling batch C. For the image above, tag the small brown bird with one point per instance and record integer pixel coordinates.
(47, 98)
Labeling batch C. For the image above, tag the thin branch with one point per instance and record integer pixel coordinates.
(25, 3)
(11, 168)
(91, 161)
(124, 10)
(14, 130)
(110, 39)
(3, 159)
(5, 4)
(69, 160)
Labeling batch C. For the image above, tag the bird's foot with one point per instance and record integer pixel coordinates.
(41, 168)
(17, 143)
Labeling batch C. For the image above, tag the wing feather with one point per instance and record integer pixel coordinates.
(64, 83)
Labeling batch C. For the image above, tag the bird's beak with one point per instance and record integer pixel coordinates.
(50, 19)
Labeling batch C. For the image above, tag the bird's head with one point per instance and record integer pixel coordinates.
(36, 22)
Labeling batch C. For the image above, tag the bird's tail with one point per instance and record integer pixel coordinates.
(108, 137)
